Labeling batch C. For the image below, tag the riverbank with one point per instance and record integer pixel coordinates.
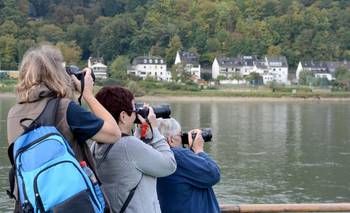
(184, 98)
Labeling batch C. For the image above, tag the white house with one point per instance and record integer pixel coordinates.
(277, 67)
(225, 66)
(153, 66)
(190, 62)
(318, 68)
(246, 64)
(270, 68)
(100, 70)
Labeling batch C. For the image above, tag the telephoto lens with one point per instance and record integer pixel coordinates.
(162, 111)
(206, 135)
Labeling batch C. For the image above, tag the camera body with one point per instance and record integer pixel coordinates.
(162, 111)
(74, 70)
(206, 135)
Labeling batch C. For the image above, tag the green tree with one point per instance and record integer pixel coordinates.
(174, 46)
(176, 71)
(70, 51)
(341, 73)
(8, 53)
(274, 51)
(115, 38)
(9, 28)
(119, 66)
(51, 33)
(22, 46)
(254, 78)
(305, 77)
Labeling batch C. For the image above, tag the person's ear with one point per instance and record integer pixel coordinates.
(170, 141)
(122, 117)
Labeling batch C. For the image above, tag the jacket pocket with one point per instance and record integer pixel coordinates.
(81, 202)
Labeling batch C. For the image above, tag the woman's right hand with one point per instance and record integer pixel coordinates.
(88, 83)
(151, 117)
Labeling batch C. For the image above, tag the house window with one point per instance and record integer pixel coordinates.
(143, 73)
(144, 67)
(156, 61)
(150, 61)
(145, 61)
(161, 61)
(161, 67)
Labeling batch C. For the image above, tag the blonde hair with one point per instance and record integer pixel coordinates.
(43, 65)
(168, 127)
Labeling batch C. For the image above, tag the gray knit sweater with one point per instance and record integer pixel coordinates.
(128, 161)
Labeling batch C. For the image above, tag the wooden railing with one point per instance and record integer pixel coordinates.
(302, 207)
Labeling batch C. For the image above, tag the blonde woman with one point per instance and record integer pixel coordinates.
(42, 77)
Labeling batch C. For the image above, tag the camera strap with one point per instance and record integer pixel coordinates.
(82, 85)
(143, 137)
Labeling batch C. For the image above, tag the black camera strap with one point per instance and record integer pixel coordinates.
(82, 85)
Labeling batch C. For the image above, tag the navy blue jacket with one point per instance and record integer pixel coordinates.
(189, 189)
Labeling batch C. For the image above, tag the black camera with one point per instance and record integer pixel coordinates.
(74, 70)
(206, 135)
(162, 111)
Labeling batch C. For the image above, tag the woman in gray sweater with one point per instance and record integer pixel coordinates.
(131, 163)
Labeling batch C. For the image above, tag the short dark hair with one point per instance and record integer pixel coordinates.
(116, 99)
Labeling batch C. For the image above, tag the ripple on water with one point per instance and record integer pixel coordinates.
(251, 153)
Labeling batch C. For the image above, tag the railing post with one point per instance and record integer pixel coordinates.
(302, 207)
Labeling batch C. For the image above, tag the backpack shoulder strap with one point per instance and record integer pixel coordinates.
(46, 118)
(98, 163)
(131, 194)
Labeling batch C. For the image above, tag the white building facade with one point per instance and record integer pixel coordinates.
(270, 68)
(97, 66)
(150, 66)
(277, 69)
(190, 62)
(318, 68)
(228, 67)
(99, 69)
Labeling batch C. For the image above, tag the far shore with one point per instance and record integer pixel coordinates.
(233, 99)
(221, 99)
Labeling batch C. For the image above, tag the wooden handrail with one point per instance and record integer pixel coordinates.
(302, 207)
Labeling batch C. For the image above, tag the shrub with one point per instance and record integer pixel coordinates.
(110, 81)
(135, 88)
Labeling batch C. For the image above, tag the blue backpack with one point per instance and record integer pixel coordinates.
(49, 177)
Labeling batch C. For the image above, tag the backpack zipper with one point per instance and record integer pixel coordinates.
(34, 142)
(26, 201)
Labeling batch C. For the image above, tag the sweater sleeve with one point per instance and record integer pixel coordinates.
(153, 159)
(198, 170)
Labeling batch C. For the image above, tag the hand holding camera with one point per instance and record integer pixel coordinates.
(197, 143)
(88, 81)
(206, 134)
(162, 111)
(151, 117)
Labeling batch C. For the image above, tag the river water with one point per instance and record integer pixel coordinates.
(268, 152)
